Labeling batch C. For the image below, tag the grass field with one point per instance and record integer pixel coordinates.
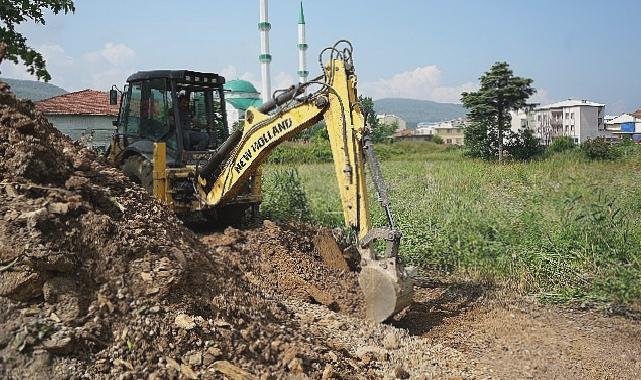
(563, 227)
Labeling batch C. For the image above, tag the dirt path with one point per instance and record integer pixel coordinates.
(524, 339)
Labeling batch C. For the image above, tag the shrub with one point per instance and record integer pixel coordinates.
(284, 197)
(523, 145)
(561, 144)
(480, 142)
(436, 139)
(599, 149)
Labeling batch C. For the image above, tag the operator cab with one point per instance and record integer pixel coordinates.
(184, 109)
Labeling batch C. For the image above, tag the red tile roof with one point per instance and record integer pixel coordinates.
(87, 102)
(404, 132)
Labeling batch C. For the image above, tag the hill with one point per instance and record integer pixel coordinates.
(33, 90)
(414, 111)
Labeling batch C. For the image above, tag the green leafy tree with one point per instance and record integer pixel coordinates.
(367, 108)
(489, 107)
(480, 141)
(436, 139)
(380, 131)
(15, 12)
(524, 145)
(599, 149)
(383, 131)
(316, 133)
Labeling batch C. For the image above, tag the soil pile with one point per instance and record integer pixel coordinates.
(283, 261)
(99, 280)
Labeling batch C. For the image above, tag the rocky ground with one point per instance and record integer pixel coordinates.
(97, 280)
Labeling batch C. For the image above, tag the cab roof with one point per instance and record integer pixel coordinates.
(179, 75)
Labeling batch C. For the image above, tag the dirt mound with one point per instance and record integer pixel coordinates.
(99, 280)
(283, 260)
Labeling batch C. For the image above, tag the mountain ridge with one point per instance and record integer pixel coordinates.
(32, 89)
(414, 111)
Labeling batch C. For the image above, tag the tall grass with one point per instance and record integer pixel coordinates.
(564, 227)
(319, 152)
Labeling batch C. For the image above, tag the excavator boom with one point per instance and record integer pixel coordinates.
(384, 281)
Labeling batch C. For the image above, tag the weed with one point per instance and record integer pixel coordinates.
(286, 198)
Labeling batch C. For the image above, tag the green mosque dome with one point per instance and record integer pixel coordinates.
(242, 94)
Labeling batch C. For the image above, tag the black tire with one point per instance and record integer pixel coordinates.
(139, 170)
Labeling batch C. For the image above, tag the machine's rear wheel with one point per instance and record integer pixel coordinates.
(139, 170)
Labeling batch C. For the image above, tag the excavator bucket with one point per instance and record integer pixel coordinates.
(387, 289)
(386, 284)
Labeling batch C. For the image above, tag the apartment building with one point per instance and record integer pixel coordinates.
(520, 119)
(581, 120)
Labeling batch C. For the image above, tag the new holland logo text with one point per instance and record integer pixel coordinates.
(259, 144)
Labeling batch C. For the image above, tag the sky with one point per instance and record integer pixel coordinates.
(417, 49)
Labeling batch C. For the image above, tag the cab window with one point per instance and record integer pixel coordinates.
(132, 125)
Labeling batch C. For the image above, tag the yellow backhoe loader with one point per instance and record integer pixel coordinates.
(173, 139)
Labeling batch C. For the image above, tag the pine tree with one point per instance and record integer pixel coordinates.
(489, 107)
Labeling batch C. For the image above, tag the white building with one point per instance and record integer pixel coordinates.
(392, 119)
(451, 131)
(581, 120)
(520, 119)
(625, 126)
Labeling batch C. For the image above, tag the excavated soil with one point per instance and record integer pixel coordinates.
(282, 260)
(98, 280)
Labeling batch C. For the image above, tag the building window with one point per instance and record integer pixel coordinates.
(448, 141)
(572, 116)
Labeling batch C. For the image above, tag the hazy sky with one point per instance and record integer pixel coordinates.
(416, 49)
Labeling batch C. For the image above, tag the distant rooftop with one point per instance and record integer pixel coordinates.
(625, 118)
(86, 102)
(571, 103)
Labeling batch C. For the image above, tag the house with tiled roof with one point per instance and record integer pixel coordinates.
(83, 115)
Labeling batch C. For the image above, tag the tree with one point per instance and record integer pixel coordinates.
(14, 12)
(367, 108)
(379, 131)
(436, 139)
(523, 145)
(480, 141)
(599, 149)
(489, 107)
(383, 131)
